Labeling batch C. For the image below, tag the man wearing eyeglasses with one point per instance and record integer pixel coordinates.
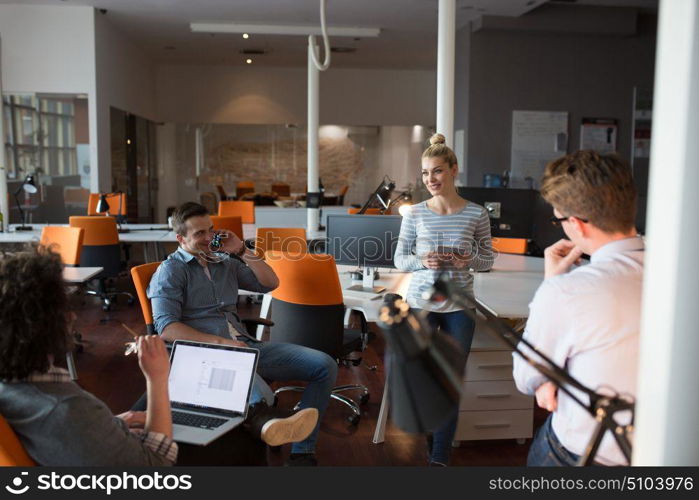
(585, 318)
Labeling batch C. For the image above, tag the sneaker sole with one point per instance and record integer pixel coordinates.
(296, 428)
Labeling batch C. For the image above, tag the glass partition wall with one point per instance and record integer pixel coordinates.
(211, 159)
(133, 151)
(46, 136)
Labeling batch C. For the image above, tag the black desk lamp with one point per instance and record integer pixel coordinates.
(103, 207)
(29, 186)
(383, 192)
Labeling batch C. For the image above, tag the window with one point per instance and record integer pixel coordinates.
(40, 136)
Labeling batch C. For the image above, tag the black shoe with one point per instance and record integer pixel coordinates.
(301, 460)
(276, 426)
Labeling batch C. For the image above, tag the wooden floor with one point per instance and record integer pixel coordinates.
(106, 372)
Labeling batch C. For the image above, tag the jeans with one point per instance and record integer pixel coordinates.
(281, 361)
(460, 327)
(547, 451)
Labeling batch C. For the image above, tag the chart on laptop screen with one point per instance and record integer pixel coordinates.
(215, 378)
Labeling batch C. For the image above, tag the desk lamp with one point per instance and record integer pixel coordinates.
(403, 200)
(103, 207)
(382, 192)
(29, 186)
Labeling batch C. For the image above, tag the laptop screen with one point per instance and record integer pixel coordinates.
(211, 377)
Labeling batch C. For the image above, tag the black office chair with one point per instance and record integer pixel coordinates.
(307, 309)
(101, 249)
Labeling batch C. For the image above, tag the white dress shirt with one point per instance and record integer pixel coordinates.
(588, 321)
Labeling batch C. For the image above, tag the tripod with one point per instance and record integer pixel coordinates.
(602, 407)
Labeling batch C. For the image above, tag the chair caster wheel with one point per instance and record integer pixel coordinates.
(356, 362)
(354, 419)
(364, 399)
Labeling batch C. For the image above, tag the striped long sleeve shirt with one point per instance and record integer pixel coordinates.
(423, 231)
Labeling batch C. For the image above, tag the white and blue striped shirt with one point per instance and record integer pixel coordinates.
(423, 231)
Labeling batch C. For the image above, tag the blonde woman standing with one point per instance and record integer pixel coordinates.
(445, 233)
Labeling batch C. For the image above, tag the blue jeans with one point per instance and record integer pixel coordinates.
(547, 451)
(460, 327)
(281, 361)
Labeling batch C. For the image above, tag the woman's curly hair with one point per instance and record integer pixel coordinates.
(33, 312)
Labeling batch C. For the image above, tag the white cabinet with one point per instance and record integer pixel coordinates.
(491, 407)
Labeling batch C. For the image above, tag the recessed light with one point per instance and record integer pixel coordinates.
(246, 36)
(128, 141)
(249, 61)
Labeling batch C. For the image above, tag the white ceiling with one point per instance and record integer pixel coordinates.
(408, 36)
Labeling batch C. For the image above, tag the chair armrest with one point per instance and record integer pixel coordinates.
(256, 321)
(251, 324)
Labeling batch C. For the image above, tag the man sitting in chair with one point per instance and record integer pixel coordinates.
(194, 294)
(587, 318)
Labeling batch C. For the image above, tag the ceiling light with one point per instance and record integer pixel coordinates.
(246, 36)
(249, 61)
(266, 29)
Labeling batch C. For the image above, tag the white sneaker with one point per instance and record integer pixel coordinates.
(297, 427)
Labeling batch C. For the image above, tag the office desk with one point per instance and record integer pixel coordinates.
(506, 291)
(77, 275)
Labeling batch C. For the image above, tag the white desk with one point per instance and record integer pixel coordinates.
(80, 274)
(506, 291)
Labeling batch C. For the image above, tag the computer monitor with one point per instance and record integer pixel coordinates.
(366, 241)
(511, 211)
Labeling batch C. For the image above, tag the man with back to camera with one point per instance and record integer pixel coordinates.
(586, 319)
(194, 294)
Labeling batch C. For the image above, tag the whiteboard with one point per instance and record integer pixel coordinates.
(537, 138)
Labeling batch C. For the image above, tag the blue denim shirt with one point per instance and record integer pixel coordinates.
(180, 291)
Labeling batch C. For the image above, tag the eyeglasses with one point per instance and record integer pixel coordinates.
(556, 221)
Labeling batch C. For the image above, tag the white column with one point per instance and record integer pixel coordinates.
(312, 214)
(445, 69)
(4, 205)
(668, 402)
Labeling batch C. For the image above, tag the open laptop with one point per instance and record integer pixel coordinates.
(210, 386)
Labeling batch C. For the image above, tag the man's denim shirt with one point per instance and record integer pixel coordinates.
(180, 291)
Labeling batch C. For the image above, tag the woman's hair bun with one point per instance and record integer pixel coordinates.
(437, 139)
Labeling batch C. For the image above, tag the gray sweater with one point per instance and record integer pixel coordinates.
(58, 424)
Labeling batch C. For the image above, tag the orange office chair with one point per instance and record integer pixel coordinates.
(369, 211)
(281, 189)
(284, 239)
(309, 308)
(231, 222)
(243, 188)
(101, 249)
(12, 453)
(141, 276)
(116, 201)
(510, 245)
(65, 241)
(68, 243)
(243, 209)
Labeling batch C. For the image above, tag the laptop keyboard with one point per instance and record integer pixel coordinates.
(193, 420)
